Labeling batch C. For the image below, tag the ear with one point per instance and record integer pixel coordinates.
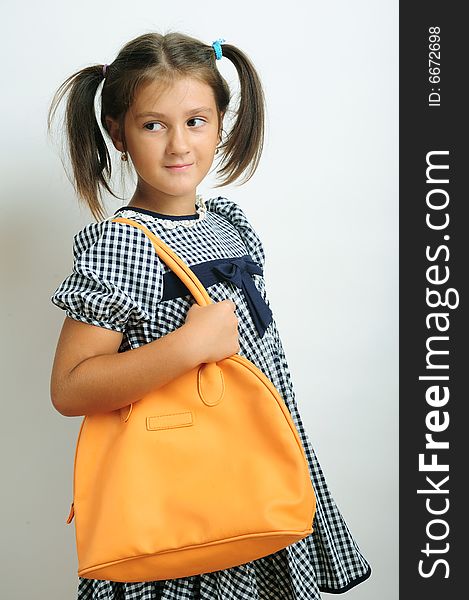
(114, 132)
(221, 125)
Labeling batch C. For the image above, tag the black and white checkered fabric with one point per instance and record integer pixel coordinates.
(117, 283)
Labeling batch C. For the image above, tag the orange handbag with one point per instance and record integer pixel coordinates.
(204, 473)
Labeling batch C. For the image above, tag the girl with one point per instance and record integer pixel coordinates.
(130, 328)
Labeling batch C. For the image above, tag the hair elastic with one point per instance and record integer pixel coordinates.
(217, 47)
(104, 70)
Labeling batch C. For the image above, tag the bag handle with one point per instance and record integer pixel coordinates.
(210, 379)
(174, 262)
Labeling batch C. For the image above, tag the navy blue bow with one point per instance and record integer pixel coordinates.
(238, 271)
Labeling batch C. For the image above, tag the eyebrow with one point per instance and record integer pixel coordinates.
(189, 112)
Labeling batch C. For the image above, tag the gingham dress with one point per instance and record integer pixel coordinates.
(119, 282)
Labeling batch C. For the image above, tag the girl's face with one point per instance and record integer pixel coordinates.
(176, 126)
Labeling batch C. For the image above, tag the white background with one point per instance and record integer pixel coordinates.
(324, 201)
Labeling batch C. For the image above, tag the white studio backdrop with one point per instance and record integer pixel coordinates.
(324, 201)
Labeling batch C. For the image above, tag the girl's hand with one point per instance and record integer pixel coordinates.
(213, 330)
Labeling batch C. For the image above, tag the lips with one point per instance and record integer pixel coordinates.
(180, 167)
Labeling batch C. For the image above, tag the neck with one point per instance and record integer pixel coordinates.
(165, 204)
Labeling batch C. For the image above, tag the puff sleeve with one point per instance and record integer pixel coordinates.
(236, 216)
(116, 281)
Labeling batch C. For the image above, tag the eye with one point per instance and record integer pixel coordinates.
(196, 119)
(153, 123)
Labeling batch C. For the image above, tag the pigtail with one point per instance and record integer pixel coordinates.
(243, 146)
(86, 146)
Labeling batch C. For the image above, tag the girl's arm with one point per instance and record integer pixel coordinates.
(89, 375)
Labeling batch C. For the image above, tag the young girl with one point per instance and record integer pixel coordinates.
(130, 327)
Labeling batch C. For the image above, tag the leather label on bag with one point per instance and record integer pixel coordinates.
(169, 421)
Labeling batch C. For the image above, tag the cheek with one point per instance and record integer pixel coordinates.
(145, 147)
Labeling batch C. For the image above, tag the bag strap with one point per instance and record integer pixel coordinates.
(211, 377)
(174, 262)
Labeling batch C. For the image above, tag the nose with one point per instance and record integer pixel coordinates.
(178, 142)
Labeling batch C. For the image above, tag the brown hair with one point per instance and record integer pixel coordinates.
(164, 58)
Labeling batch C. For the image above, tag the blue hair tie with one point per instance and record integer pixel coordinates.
(217, 47)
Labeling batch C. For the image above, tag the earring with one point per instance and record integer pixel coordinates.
(124, 156)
